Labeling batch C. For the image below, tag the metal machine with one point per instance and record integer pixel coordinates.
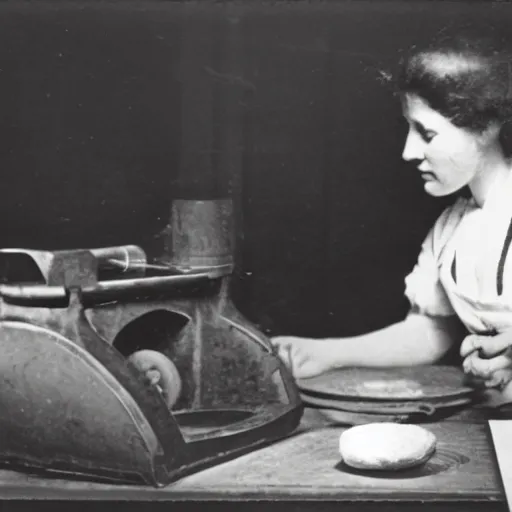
(117, 368)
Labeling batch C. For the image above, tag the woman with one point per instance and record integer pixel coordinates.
(457, 99)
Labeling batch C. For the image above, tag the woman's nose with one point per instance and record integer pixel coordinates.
(413, 149)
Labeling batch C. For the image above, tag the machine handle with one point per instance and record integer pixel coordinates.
(104, 290)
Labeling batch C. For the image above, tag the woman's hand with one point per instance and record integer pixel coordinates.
(488, 359)
(304, 357)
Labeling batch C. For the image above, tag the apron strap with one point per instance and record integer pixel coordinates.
(503, 258)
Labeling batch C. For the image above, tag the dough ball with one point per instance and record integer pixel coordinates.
(386, 446)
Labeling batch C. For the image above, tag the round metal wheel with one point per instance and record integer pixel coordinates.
(161, 371)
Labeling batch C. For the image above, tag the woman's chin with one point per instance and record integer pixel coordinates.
(436, 189)
(433, 189)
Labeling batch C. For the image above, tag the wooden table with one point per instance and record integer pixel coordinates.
(304, 472)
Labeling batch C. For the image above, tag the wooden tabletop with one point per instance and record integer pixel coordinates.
(306, 468)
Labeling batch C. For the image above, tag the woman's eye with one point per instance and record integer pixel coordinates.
(426, 135)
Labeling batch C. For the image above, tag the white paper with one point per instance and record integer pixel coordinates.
(501, 431)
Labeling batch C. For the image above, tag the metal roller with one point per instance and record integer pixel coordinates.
(161, 371)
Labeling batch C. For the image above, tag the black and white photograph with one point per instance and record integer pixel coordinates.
(255, 255)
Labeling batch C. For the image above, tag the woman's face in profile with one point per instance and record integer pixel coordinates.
(448, 157)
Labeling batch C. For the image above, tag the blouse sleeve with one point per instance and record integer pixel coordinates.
(423, 287)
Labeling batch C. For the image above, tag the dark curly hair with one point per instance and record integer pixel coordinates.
(465, 74)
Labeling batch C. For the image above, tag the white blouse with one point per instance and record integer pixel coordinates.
(463, 267)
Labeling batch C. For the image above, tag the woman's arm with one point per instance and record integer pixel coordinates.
(417, 340)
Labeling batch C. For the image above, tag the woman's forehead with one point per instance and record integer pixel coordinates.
(413, 104)
(416, 109)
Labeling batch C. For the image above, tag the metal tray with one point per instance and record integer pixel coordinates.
(413, 383)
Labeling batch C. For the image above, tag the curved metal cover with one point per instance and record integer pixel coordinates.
(62, 409)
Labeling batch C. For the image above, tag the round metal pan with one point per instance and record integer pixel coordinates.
(418, 383)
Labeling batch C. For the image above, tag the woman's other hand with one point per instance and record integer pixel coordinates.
(304, 357)
(488, 359)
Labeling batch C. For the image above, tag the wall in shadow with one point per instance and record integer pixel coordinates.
(109, 110)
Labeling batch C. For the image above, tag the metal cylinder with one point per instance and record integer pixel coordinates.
(121, 259)
(202, 233)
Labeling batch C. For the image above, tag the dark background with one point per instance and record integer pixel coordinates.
(109, 110)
